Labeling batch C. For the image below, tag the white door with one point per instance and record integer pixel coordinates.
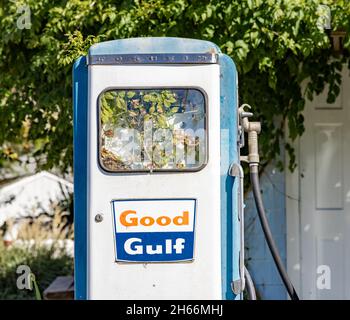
(325, 197)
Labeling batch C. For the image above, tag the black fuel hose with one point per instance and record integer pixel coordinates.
(249, 285)
(254, 177)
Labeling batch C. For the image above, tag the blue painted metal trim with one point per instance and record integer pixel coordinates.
(229, 153)
(80, 118)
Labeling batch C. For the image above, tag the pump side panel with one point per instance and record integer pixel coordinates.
(199, 279)
(80, 97)
(230, 226)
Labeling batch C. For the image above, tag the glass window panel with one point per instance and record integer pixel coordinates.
(152, 130)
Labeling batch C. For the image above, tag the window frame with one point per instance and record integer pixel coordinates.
(153, 171)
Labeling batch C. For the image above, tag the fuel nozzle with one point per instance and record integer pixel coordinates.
(253, 129)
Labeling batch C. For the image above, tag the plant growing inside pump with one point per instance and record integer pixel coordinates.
(152, 129)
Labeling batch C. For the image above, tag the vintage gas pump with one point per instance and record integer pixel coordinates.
(158, 183)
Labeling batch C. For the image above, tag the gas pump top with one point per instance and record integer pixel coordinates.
(158, 186)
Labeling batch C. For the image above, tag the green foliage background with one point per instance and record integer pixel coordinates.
(45, 263)
(276, 45)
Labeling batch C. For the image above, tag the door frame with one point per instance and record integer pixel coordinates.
(292, 198)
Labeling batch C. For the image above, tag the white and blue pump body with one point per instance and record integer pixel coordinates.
(141, 233)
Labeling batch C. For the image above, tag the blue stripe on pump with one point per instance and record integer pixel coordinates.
(80, 116)
(229, 153)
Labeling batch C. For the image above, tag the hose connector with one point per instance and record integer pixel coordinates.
(253, 129)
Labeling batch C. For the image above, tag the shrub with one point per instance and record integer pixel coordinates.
(46, 263)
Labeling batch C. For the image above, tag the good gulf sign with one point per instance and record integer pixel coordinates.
(154, 230)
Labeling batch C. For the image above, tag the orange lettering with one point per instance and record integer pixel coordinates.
(163, 221)
(131, 222)
(181, 220)
(149, 223)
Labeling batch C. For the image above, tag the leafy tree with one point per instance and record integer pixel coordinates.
(276, 44)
